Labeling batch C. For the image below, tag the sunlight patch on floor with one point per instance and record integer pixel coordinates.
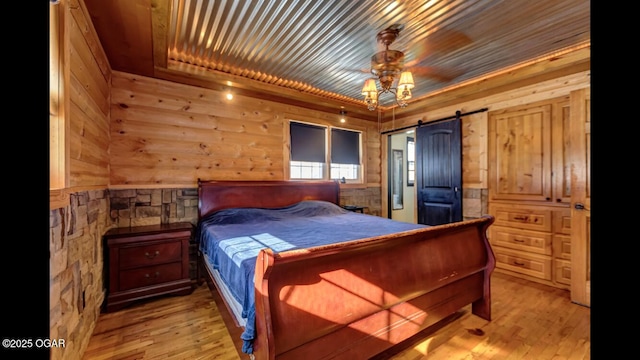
(423, 347)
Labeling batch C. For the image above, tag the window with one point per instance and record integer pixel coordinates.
(411, 162)
(309, 150)
(345, 154)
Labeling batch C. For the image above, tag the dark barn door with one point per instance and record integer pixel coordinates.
(439, 172)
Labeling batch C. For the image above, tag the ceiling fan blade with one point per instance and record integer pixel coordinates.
(360, 71)
(443, 75)
(441, 41)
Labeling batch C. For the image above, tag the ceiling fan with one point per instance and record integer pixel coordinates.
(439, 41)
(387, 64)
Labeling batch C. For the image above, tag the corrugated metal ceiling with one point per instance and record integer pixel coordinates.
(325, 47)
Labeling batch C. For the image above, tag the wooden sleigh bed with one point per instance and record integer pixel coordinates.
(352, 299)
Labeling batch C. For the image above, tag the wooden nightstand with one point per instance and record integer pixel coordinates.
(146, 261)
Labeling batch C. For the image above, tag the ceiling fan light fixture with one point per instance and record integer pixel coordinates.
(370, 92)
(369, 87)
(402, 92)
(406, 80)
(387, 65)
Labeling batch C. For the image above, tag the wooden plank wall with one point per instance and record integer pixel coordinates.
(168, 134)
(89, 103)
(79, 212)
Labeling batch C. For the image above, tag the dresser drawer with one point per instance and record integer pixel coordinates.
(152, 254)
(521, 217)
(524, 240)
(538, 266)
(562, 247)
(151, 275)
(562, 221)
(562, 271)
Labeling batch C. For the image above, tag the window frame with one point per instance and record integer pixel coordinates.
(411, 161)
(326, 173)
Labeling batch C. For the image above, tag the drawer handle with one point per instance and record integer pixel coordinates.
(155, 275)
(151, 256)
(518, 240)
(518, 263)
(521, 218)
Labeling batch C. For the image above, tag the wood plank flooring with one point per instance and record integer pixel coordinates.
(530, 321)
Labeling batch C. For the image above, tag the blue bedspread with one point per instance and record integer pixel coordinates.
(232, 238)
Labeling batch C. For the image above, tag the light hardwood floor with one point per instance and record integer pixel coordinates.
(529, 321)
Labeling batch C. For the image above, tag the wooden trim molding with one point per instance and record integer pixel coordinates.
(58, 198)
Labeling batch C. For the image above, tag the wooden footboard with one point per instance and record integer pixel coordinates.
(354, 300)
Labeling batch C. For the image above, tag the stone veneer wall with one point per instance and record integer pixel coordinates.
(76, 264)
(136, 207)
(369, 198)
(474, 203)
(76, 289)
(139, 207)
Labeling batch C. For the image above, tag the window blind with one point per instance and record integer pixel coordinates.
(345, 147)
(307, 142)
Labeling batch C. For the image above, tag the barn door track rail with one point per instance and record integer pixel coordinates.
(420, 122)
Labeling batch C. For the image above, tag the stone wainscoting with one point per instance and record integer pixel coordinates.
(76, 289)
(139, 207)
(76, 262)
(474, 203)
(369, 198)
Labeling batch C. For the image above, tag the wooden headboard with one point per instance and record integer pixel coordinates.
(218, 195)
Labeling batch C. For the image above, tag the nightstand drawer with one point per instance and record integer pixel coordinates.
(138, 256)
(150, 275)
(146, 261)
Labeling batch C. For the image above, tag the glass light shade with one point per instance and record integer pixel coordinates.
(406, 80)
(372, 95)
(369, 87)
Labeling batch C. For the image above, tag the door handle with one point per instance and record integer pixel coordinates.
(578, 206)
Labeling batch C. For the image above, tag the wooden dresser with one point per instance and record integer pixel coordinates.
(533, 241)
(146, 261)
(529, 191)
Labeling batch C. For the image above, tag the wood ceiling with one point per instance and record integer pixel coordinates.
(317, 54)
